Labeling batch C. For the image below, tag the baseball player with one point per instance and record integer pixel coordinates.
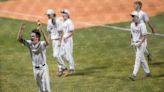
(139, 42)
(68, 32)
(54, 29)
(145, 19)
(37, 50)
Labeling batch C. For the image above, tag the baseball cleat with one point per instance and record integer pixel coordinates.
(67, 73)
(59, 73)
(71, 71)
(132, 77)
(148, 74)
(64, 69)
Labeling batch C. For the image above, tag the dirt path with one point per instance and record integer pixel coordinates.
(83, 12)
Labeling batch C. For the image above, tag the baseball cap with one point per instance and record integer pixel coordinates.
(65, 11)
(50, 12)
(134, 14)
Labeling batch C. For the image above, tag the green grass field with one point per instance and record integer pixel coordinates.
(103, 56)
(3, 0)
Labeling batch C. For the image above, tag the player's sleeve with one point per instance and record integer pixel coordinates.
(43, 45)
(143, 29)
(26, 42)
(145, 17)
(70, 26)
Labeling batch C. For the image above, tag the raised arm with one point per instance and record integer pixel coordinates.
(44, 35)
(40, 28)
(19, 35)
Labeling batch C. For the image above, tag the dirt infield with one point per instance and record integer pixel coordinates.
(83, 12)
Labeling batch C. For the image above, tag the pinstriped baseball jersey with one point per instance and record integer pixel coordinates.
(143, 16)
(138, 30)
(53, 27)
(37, 52)
(67, 27)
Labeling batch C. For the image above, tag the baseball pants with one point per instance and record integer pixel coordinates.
(41, 75)
(57, 51)
(68, 53)
(140, 59)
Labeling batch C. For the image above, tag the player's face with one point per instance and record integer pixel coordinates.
(137, 7)
(65, 16)
(50, 16)
(136, 19)
(34, 38)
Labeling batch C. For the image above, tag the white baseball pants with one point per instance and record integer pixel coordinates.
(41, 76)
(68, 53)
(140, 59)
(57, 52)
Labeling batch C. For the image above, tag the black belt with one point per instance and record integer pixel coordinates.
(57, 39)
(136, 41)
(39, 66)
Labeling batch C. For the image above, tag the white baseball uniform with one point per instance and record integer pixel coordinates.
(144, 18)
(137, 31)
(53, 28)
(40, 68)
(68, 45)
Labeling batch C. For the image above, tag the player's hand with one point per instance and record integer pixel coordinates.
(138, 45)
(133, 45)
(39, 26)
(22, 26)
(154, 30)
(38, 22)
